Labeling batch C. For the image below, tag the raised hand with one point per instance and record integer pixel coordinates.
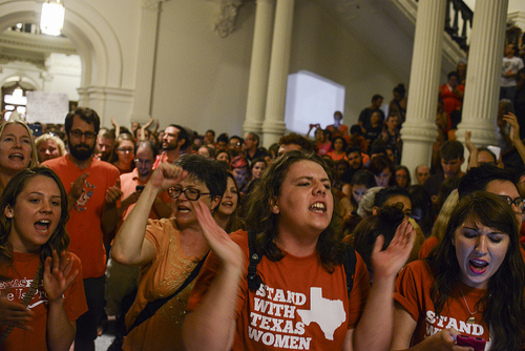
(512, 120)
(228, 252)
(58, 275)
(166, 176)
(389, 262)
(468, 143)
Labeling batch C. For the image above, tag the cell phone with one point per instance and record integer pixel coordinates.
(139, 188)
(478, 343)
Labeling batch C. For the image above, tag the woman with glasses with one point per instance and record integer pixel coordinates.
(17, 150)
(123, 154)
(167, 250)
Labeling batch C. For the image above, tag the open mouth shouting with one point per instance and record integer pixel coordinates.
(319, 207)
(477, 266)
(42, 226)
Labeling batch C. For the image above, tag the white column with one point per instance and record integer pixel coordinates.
(419, 130)
(146, 60)
(273, 126)
(480, 103)
(260, 63)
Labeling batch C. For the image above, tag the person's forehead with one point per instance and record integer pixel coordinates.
(144, 152)
(422, 170)
(79, 123)
(502, 187)
(453, 160)
(354, 154)
(171, 130)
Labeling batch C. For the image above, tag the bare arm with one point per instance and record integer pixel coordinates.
(404, 327)
(512, 120)
(116, 126)
(58, 276)
(212, 325)
(374, 331)
(130, 246)
(473, 151)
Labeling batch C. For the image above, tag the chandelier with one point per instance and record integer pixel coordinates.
(52, 20)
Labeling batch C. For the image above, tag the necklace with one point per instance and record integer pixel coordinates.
(471, 319)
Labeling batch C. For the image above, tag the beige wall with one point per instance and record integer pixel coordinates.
(324, 47)
(201, 80)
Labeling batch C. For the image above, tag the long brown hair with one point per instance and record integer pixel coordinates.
(504, 301)
(261, 219)
(58, 241)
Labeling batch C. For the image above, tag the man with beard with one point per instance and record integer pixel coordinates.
(175, 140)
(93, 191)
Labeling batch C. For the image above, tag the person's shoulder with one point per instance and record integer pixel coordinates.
(56, 162)
(97, 165)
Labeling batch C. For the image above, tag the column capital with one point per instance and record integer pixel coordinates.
(225, 23)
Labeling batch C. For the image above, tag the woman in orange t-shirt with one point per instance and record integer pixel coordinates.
(474, 281)
(33, 246)
(291, 210)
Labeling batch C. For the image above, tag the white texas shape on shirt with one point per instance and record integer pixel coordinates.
(328, 314)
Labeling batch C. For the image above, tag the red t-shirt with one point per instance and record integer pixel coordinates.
(299, 306)
(23, 272)
(413, 292)
(84, 225)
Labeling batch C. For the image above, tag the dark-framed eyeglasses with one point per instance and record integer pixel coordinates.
(192, 194)
(519, 202)
(77, 133)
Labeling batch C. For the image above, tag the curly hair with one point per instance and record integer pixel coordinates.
(58, 241)
(504, 302)
(261, 219)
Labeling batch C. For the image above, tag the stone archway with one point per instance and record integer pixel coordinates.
(97, 45)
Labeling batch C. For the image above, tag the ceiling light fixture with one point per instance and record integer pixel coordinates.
(52, 20)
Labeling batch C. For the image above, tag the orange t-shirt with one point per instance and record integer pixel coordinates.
(84, 225)
(427, 247)
(158, 279)
(413, 289)
(23, 272)
(299, 305)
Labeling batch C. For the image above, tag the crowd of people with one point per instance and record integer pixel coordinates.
(205, 242)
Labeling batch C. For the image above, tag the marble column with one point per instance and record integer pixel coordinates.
(260, 63)
(273, 125)
(146, 61)
(480, 102)
(419, 130)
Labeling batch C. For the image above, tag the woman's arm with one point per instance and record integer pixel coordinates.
(212, 325)
(374, 330)
(404, 327)
(58, 275)
(130, 246)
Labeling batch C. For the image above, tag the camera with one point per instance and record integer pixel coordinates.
(476, 342)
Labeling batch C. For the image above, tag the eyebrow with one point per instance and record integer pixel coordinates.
(312, 178)
(490, 233)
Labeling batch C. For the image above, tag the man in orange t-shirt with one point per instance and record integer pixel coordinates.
(92, 198)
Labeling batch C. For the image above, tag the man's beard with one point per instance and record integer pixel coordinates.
(169, 146)
(81, 154)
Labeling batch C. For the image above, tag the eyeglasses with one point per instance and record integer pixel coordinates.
(122, 149)
(192, 194)
(519, 202)
(78, 134)
(144, 162)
